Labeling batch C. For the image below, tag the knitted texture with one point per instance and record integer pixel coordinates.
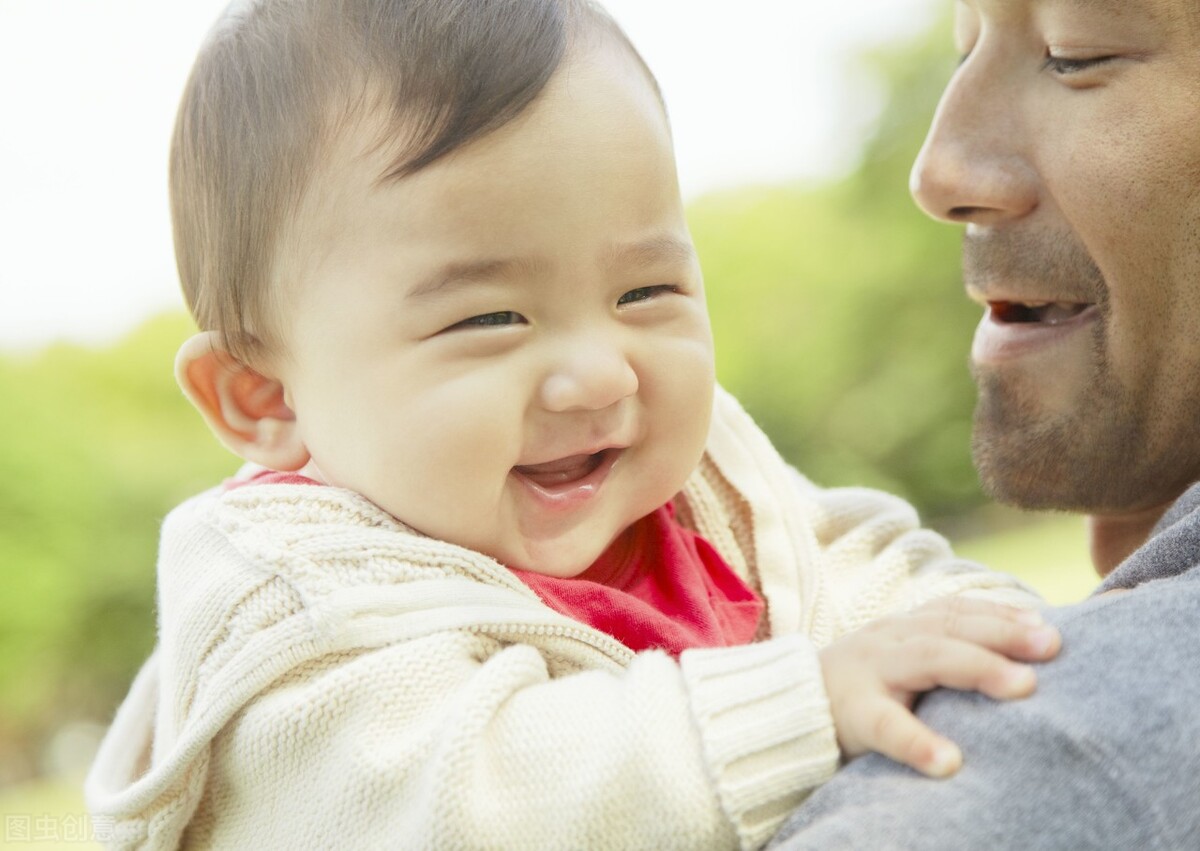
(326, 677)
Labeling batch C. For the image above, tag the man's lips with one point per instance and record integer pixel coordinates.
(1044, 312)
(1015, 327)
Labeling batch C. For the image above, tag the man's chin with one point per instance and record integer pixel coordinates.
(1017, 479)
(1069, 467)
(1031, 457)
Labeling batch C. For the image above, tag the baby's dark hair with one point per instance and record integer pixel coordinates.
(277, 81)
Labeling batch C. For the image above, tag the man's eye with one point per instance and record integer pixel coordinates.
(644, 293)
(1065, 66)
(489, 320)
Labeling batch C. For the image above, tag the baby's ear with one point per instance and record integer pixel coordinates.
(244, 408)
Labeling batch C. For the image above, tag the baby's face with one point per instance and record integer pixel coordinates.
(509, 350)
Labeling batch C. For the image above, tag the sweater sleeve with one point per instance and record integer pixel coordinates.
(460, 740)
(828, 560)
(876, 559)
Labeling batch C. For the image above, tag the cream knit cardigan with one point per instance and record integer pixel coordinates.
(328, 678)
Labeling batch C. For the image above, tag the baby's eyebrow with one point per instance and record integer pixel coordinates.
(462, 273)
(665, 248)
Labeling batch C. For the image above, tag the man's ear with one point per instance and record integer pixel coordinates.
(244, 408)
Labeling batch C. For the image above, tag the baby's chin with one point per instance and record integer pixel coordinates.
(312, 471)
(565, 555)
(557, 558)
(561, 568)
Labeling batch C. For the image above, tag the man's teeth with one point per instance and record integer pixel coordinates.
(1045, 312)
(1059, 312)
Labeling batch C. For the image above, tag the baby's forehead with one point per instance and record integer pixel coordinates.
(369, 150)
(597, 130)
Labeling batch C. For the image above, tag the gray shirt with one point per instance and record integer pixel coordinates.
(1105, 755)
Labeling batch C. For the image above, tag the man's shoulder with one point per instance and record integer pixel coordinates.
(1098, 757)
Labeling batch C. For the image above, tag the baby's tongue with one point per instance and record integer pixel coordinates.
(560, 471)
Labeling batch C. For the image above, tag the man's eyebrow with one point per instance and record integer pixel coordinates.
(1115, 7)
(656, 249)
(462, 273)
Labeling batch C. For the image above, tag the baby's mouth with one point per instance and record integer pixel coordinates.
(563, 471)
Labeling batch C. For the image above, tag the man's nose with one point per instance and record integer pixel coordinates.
(974, 167)
(587, 375)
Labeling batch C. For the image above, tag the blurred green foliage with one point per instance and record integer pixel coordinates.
(840, 323)
(95, 448)
(839, 312)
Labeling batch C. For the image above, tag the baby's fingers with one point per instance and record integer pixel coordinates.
(1013, 639)
(928, 662)
(1018, 634)
(898, 735)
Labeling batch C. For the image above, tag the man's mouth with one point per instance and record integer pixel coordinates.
(1014, 329)
(1043, 312)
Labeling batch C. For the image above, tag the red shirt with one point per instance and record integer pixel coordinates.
(658, 586)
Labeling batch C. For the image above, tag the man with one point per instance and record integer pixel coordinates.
(1068, 143)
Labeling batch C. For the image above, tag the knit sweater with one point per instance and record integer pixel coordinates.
(1101, 758)
(328, 678)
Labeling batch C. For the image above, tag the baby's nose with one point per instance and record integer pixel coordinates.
(588, 377)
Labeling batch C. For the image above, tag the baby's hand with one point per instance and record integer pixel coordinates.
(873, 674)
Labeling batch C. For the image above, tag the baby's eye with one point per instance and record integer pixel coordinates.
(644, 293)
(489, 320)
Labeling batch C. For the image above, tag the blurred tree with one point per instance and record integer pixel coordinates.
(839, 312)
(95, 448)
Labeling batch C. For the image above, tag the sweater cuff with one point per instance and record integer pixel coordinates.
(767, 730)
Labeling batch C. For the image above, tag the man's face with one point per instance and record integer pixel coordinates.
(508, 350)
(1068, 141)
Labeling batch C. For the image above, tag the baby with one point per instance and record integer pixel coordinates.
(506, 570)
